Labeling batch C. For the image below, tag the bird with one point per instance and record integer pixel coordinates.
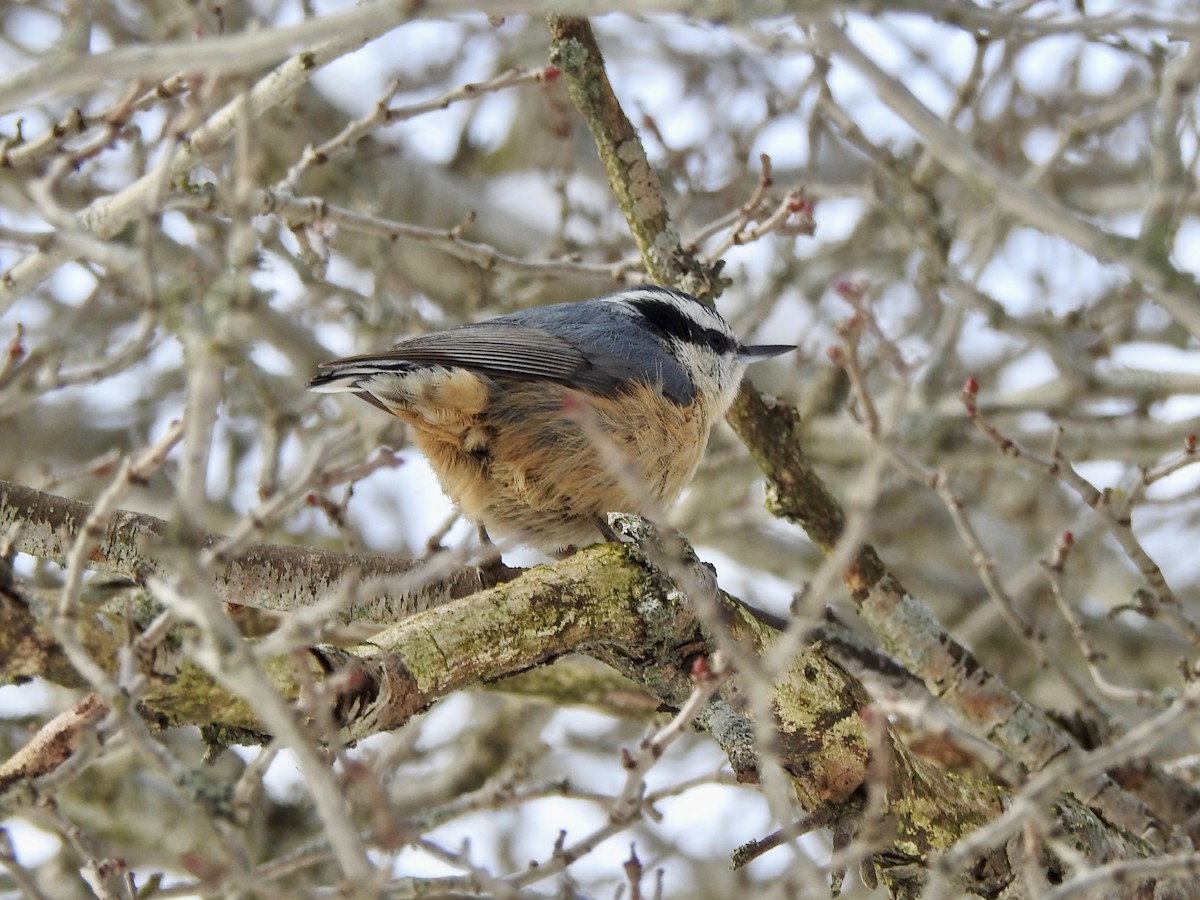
(540, 422)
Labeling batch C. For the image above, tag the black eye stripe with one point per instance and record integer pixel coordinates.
(669, 321)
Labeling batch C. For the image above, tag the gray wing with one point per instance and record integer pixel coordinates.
(592, 345)
(492, 348)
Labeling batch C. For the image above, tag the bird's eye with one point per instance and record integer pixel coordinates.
(719, 343)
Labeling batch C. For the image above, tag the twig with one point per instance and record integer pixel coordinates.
(1053, 567)
(628, 805)
(1115, 518)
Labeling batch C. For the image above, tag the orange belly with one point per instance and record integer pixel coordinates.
(542, 464)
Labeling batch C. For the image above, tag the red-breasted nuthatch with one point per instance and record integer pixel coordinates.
(650, 368)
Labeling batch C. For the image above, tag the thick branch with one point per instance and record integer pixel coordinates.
(607, 603)
(630, 175)
(266, 576)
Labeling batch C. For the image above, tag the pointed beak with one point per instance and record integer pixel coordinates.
(763, 351)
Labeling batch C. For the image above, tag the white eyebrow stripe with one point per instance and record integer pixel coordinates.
(689, 306)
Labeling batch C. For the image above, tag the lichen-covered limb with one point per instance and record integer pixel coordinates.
(275, 577)
(606, 602)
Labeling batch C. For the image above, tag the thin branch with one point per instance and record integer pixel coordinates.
(1175, 290)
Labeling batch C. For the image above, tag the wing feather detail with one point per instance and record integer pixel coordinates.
(498, 349)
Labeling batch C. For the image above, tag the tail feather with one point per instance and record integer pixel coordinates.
(352, 376)
(440, 392)
(335, 382)
(353, 379)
